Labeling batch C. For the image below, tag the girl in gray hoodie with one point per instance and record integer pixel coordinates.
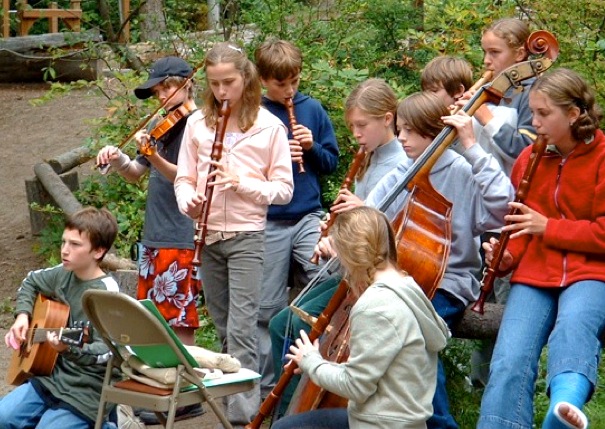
(396, 334)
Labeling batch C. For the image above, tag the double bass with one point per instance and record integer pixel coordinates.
(423, 223)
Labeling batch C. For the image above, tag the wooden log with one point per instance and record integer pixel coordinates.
(63, 197)
(475, 326)
(36, 193)
(58, 191)
(71, 159)
(480, 326)
(25, 60)
(26, 44)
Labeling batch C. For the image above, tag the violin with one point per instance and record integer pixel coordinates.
(148, 148)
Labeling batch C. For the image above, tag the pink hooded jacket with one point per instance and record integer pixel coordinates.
(261, 159)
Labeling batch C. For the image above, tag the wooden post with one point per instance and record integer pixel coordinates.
(58, 191)
(5, 18)
(70, 159)
(125, 36)
(53, 21)
(214, 14)
(28, 16)
(128, 281)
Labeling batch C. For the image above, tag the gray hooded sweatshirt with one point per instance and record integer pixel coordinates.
(479, 192)
(391, 373)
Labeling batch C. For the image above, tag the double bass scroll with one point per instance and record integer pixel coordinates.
(491, 271)
(201, 225)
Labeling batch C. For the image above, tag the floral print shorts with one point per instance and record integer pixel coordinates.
(165, 277)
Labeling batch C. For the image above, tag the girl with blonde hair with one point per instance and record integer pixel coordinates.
(396, 335)
(255, 170)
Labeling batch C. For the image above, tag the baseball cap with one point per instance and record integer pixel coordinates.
(159, 71)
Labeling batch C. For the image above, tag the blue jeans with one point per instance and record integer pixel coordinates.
(450, 309)
(231, 275)
(23, 407)
(324, 418)
(568, 319)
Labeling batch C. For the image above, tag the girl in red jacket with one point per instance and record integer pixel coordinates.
(557, 258)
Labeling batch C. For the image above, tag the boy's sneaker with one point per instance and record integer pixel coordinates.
(182, 413)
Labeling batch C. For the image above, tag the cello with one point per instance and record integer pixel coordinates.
(424, 223)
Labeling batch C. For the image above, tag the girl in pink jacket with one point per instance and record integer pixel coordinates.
(255, 170)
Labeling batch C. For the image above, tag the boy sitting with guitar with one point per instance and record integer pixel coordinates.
(69, 394)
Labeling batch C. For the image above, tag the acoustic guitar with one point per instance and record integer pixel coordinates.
(36, 356)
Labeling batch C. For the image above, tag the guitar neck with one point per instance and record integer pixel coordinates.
(66, 335)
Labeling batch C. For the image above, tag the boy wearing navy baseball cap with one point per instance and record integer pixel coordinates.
(166, 250)
(161, 70)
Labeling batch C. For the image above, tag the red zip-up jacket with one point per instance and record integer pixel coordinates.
(570, 192)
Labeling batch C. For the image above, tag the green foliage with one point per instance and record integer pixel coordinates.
(205, 335)
(343, 43)
(464, 403)
(125, 200)
(7, 306)
(580, 29)
(49, 241)
(465, 400)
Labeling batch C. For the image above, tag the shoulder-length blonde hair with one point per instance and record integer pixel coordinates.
(514, 31)
(375, 98)
(365, 242)
(227, 52)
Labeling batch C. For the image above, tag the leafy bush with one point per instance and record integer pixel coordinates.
(344, 42)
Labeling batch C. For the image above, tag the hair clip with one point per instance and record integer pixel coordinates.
(235, 48)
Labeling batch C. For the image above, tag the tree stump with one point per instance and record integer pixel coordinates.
(477, 326)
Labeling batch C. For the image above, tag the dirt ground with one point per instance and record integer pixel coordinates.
(30, 135)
